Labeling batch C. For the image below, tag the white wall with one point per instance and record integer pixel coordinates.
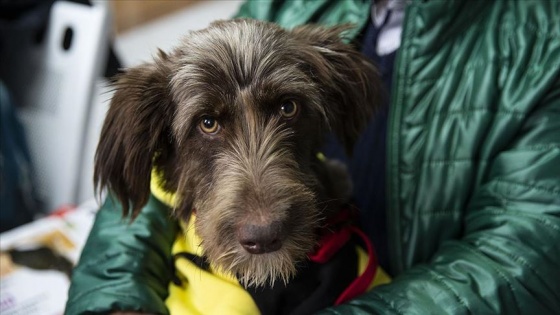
(139, 45)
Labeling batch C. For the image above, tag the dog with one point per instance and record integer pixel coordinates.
(233, 118)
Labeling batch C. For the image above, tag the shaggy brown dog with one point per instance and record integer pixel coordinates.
(234, 118)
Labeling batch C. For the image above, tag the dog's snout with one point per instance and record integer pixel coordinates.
(261, 238)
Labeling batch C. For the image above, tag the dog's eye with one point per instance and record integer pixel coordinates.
(289, 109)
(209, 125)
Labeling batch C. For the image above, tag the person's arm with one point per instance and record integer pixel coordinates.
(508, 261)
(125, 265)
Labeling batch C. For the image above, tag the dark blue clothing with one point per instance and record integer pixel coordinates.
(367, 163)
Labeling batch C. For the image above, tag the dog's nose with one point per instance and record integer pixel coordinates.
(260, 239)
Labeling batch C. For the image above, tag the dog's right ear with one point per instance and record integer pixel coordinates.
(136, 133)
(349, 80)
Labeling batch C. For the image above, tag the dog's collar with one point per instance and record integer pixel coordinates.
(337, 232)
(331, 240)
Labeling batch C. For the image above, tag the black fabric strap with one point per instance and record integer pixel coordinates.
(199, 261)
(315, 287)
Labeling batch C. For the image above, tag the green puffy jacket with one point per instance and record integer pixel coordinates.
(473, 169)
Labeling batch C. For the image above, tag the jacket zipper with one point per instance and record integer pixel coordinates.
(393, 150)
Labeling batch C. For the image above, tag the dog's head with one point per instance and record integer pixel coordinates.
(233, 118)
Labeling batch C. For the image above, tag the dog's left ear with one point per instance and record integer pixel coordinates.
(136, 134)
(351, 83)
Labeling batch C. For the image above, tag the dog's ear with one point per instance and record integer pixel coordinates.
(136, 133)
(351, 83)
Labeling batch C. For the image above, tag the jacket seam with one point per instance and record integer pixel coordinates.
(479, 109)
(102, 259)
(104, 286)
(448, 114)
(128, 296)
(439, 279)
(552, 190)
(468, 68)
(387, 303)
(516, 258)
(540, 31)
(109, 256)
(494, 265)
(537, 147)
(451, 161)
(394, 133)
(438, 213)
(538, 219)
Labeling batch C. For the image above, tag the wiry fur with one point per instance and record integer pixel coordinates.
(260, 167)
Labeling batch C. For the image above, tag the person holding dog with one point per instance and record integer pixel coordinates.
(457, 176)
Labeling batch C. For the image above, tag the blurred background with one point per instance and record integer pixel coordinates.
(57, 59)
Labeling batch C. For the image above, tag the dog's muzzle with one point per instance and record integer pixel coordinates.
(261, 238)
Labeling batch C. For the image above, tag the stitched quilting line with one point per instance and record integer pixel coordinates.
(112, 285)
(507, 31)
(427, 163)
(440, 279)
(539, 219)
(547, 33)
(430, 162)
(494, 210)
(450, 114)
(439, 213)
(447, 115)
(431, 81)
(452, 161)
(536, 147)
(553, 191)
(518, 259)
(387, 303)
(495, 266)
(111, 256)
(463, 68)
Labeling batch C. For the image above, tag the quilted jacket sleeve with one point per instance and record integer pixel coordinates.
(124, 266)
(508, 260)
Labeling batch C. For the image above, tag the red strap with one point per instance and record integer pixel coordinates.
(362, 283)
(329, 245)
(332, 241)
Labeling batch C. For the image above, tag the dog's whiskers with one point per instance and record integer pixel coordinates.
(257, 171)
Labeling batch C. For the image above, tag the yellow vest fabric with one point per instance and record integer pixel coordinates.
(213, 292)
